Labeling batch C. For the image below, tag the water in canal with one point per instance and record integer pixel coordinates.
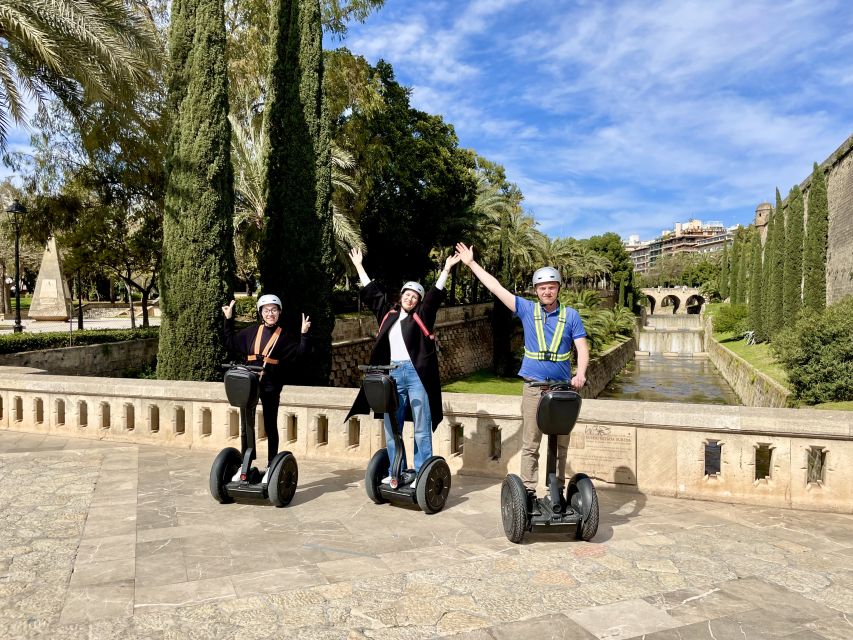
(656, 378)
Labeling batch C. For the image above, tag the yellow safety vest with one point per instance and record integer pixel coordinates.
(548, 353)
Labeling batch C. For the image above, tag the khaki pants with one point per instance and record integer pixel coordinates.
(531, 438)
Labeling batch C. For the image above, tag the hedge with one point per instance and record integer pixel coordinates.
(18, 342)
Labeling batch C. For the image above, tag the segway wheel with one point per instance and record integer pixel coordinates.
(376, 470)
(433, 485)
(283, 479)
(582, 498)
(514, 508)
(226, 464)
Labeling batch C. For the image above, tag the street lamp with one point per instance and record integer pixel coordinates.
(15, 208)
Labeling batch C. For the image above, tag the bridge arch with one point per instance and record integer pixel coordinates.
(661, 299)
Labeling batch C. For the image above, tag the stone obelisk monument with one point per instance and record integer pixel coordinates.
(52, 298)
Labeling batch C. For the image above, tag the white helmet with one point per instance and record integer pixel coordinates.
(546, 274)
(268, 299)
(414, 286)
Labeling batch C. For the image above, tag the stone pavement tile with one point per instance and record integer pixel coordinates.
(477, 634)
(787, 605)
(111, 520)
(182, 594)
(94, 573)
(349, 568)
(275, 580)
(550, 627)
(696, 605)
(96, 602)
(160, 568)
(625, 619)
(838, 598)
(204, 563)
(423, 557)
(106, 548)
(164, 533)
(834, 628)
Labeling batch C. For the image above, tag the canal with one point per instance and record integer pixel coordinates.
(656, 378)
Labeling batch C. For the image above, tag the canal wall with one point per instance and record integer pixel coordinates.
(604, 368)
(764, 456)
(753, 388)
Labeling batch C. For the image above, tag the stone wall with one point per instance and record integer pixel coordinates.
(767, 456)
(110, 359)
(839, 184)
(602, 369)
(464, 346)
(753, 388)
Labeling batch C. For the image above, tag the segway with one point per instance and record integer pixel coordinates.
(432, 482)
(521, 510)
(233, 476)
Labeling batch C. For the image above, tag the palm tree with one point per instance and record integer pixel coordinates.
(247, 153)
(80, 51)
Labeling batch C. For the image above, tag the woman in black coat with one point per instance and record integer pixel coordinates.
(406, 339)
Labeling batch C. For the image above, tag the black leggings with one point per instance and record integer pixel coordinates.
(270, 397)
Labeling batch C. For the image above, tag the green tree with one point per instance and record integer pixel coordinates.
(743, 267)
(81, 51)
(814, 260)
(724, 271)
(418, 205)
(793, 277)
(774, 267)
(756, 320)
(737, 243)
(198, 255)
(297, 257)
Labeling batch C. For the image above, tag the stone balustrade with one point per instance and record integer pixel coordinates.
(767, 456)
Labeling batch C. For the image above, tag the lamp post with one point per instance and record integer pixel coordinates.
(15, 208)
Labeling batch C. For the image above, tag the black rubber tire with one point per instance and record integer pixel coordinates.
(433, 485)
(377, 469)
(514, 508)
(283, 479)
(226, 464)
(581, 496)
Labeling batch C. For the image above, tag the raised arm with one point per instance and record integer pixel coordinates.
(491, 283)
(356, 257)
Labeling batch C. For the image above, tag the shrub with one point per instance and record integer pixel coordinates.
(245, 307)
(18, 342)
(731, 318)
(817, 352)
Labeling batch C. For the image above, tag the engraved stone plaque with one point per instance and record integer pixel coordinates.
(608, 452)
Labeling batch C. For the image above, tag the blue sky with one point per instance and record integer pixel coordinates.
(629, 116)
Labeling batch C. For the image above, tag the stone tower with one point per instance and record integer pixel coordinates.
(762, 217)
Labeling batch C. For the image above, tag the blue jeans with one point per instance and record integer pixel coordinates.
(411, 392)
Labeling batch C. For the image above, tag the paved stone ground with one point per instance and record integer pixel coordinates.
(37, 326)
(107, 540)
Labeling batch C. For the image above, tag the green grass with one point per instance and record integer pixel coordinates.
(835, 406)
(485, 381)
(758, 355)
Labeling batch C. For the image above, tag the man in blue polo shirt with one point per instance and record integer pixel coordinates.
(550, 329)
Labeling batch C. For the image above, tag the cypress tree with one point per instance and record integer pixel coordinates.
(792, 286)
(622, 293)
(724, 271)
(198, 261)
(296, 260)
(743, 268)
(755, 308)
(736, 249)
(766, 277)
(775, 266)
(817, 227)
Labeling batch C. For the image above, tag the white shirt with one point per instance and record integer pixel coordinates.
(399, 352)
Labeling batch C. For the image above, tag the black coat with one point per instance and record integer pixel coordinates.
(288, 350)
(422, 350)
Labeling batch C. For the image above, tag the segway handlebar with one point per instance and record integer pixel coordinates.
(377, 367)
(557, 385)
(225, 366)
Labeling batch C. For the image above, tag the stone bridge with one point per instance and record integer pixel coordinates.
(678, 299)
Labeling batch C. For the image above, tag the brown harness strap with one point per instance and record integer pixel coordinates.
(265, 354)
